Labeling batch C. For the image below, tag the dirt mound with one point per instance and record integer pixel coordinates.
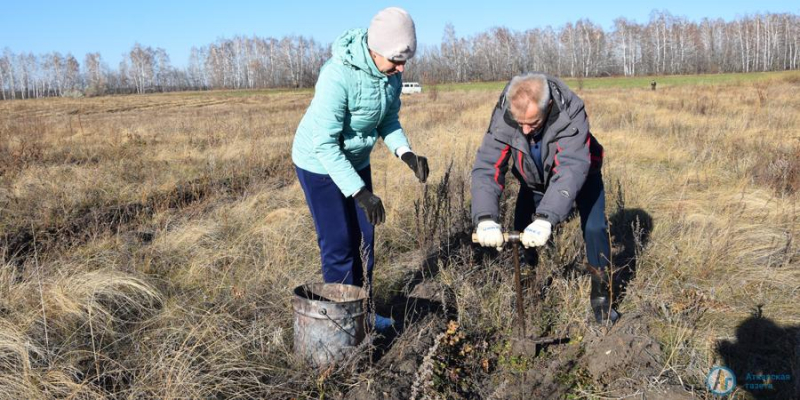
(548, 377)
(625, 359)
(626, 350)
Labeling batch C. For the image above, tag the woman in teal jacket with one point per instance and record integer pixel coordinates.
(357, 99)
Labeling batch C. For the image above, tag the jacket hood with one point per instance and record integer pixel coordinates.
(351, 48)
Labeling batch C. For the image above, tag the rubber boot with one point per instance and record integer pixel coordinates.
(382, 324)
(600, 297)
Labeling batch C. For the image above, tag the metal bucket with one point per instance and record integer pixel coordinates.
(329, 321)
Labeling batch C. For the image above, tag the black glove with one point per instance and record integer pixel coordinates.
(371, 205)
(417, 164)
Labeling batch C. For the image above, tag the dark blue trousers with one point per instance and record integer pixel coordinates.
(591, 203)
(341, 227)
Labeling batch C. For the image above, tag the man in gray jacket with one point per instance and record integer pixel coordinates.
(539, 127)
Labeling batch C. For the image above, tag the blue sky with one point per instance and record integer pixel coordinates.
(112, 27)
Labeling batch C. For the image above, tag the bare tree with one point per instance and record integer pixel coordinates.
(72, 71)
(162, 71)
(196, 69)
(4, 66)
(95, 78)
(142, 67)
(8, 67)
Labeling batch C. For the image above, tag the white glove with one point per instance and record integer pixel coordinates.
(490, 234)
(537, 233)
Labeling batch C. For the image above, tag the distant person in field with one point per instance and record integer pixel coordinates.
(539, 127)
(356, 101)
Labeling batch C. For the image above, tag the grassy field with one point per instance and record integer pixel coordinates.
(150, 245)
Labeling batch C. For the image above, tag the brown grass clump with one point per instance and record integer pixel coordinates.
(149, 245)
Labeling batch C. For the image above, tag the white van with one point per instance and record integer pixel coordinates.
(411, 87)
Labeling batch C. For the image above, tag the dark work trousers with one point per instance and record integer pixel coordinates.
(591, 203)
(341, 226)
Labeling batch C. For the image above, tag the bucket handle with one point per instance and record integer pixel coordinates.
(324, 312)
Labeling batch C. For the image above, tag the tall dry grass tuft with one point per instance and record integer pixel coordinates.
(16, 366)
(779, 170)
(67, 341)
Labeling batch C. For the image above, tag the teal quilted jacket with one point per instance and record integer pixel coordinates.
(354, 103)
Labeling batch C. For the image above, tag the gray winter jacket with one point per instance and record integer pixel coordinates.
(569, 154)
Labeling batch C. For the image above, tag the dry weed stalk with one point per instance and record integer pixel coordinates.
(422, 378)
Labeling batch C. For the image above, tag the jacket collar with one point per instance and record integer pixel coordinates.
(351, 48)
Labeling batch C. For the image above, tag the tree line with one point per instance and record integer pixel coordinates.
(666, 44)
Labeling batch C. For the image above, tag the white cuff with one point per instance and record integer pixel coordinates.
(402, 150)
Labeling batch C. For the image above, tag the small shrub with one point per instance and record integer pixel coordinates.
(780, 171)
(73, 94)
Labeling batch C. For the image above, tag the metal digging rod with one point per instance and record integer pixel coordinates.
(522, 343)
(514, 237)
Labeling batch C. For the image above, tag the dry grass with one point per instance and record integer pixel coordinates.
(151, 242)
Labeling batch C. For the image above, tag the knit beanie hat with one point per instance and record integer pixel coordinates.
(392, 34)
